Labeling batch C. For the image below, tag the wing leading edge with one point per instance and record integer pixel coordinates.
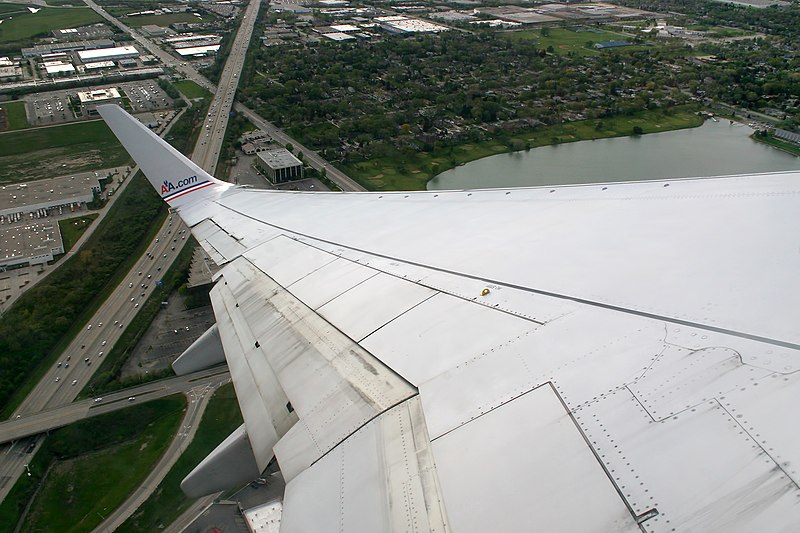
(589, 358)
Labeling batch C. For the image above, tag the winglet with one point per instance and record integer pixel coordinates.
(174, 176)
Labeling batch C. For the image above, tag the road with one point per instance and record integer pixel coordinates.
(199, 397)
(206, 153)
(313, 159)
(44, 421)
(93, 342)
(68, 376)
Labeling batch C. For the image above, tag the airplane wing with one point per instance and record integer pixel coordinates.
(609, 357)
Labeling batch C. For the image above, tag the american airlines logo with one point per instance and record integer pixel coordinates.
(168, 187)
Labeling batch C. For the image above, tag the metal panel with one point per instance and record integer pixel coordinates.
(323, 285)
(602, 244)
(371, 304)
(680, 378)
(260, 396)
(380, 479)
(541, 476)
(608, 345)
(767, 409)
(286, 260)
(440, 333)
(333, 384)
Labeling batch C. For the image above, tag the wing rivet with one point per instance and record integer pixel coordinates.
(484, 292)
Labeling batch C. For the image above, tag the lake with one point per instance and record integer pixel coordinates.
(713, 149)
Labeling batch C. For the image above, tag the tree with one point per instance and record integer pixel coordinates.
(290, 147)
(637, 130)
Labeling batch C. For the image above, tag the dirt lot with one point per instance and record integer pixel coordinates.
(172, 331)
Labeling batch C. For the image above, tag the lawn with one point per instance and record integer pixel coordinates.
(24, 25)
(95, 464)
(36, 153)
(163, 20)
(411, 171)
(190, 89)
(780, 144)
(15, 111)
(565, 40)
(221, 417)
(73, 228)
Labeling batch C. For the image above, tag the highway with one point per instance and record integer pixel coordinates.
(313, 159)
(50, 419)
(93, 342)
(206, 153)
(198, 396)
(66, 377)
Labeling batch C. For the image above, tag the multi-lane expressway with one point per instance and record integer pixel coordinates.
(237, 54)
(44, 421)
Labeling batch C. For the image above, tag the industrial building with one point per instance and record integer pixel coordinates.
(10, 73)
(31, 243)
(279, 165)
(401, 24)
(55, 69)
(198, 50)
(75, 46)
(108, 54)
(91, 99)
(33, 196)
(27, 237)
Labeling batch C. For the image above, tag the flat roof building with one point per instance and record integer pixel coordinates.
(198, 50)
(39, 50)
(47, 194)
(29, 243)
(98, 65)
(279, 165)
(10, 73)
(91, 99)
(106, 54)
(58, 68)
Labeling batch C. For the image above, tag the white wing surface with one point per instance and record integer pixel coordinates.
(606, 357)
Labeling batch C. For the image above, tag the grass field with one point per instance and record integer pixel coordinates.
(73, 228)
(79, 491)
(412, 171)
(42, 152)
(565, 40)
(98, 463)
(24, 25)
(15, 111)
(190, 89)
(164, 20)
(779, 144)
(221, 417)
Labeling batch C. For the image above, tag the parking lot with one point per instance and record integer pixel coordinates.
(145, 96)
(49, 108)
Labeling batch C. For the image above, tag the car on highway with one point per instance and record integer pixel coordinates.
(74, 382)
(88, 328)
(58, 379)
(86, 359)
(103, 343)
(59, 364)
(100, 354)
(98, 400)
(131, 398)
